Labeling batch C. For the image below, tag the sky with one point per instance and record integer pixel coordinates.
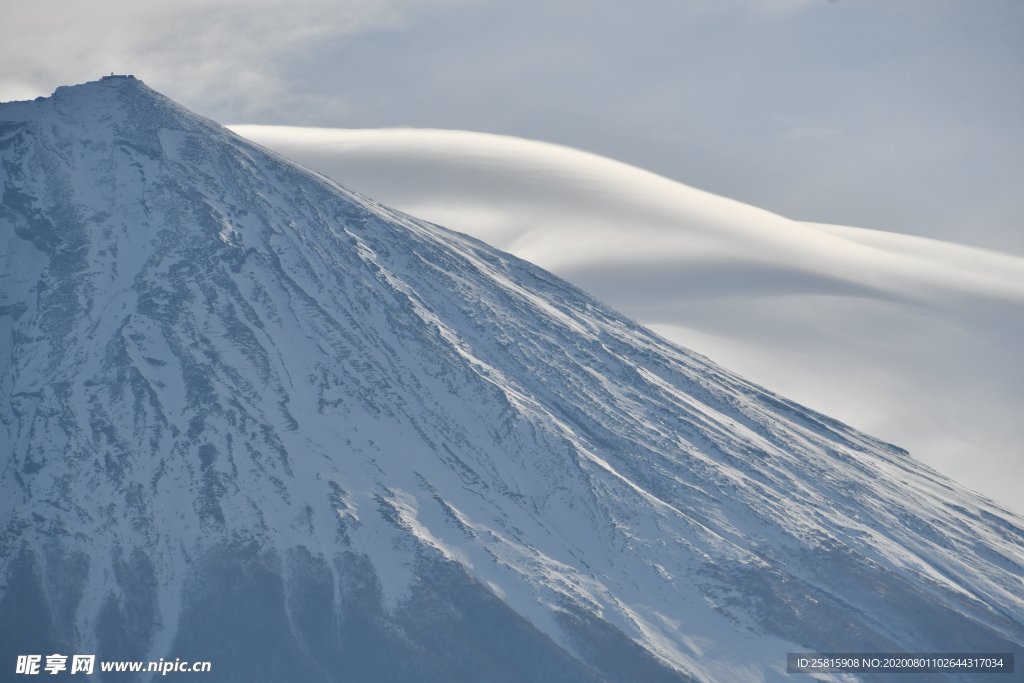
(903, 116)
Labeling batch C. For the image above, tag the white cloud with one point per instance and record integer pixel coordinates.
(910, 339)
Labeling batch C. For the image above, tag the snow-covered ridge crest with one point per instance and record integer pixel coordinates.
(245, 405)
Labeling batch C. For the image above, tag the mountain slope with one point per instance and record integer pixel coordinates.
(923, 335)
(258, 419)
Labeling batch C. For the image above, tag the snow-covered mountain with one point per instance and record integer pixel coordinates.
(252, 417)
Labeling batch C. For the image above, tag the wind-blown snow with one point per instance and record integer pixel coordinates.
(247, 407)
(908, 338)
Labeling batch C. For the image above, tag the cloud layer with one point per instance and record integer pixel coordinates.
(910, 339)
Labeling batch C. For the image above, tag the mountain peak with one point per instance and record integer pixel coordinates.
(110, 80)
(107, 108)
(105, 86)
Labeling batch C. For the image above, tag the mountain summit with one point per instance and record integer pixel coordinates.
(252, 417)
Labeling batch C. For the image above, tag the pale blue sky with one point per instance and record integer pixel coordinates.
(905, 115)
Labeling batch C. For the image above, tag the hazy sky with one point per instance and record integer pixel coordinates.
(899, 114)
